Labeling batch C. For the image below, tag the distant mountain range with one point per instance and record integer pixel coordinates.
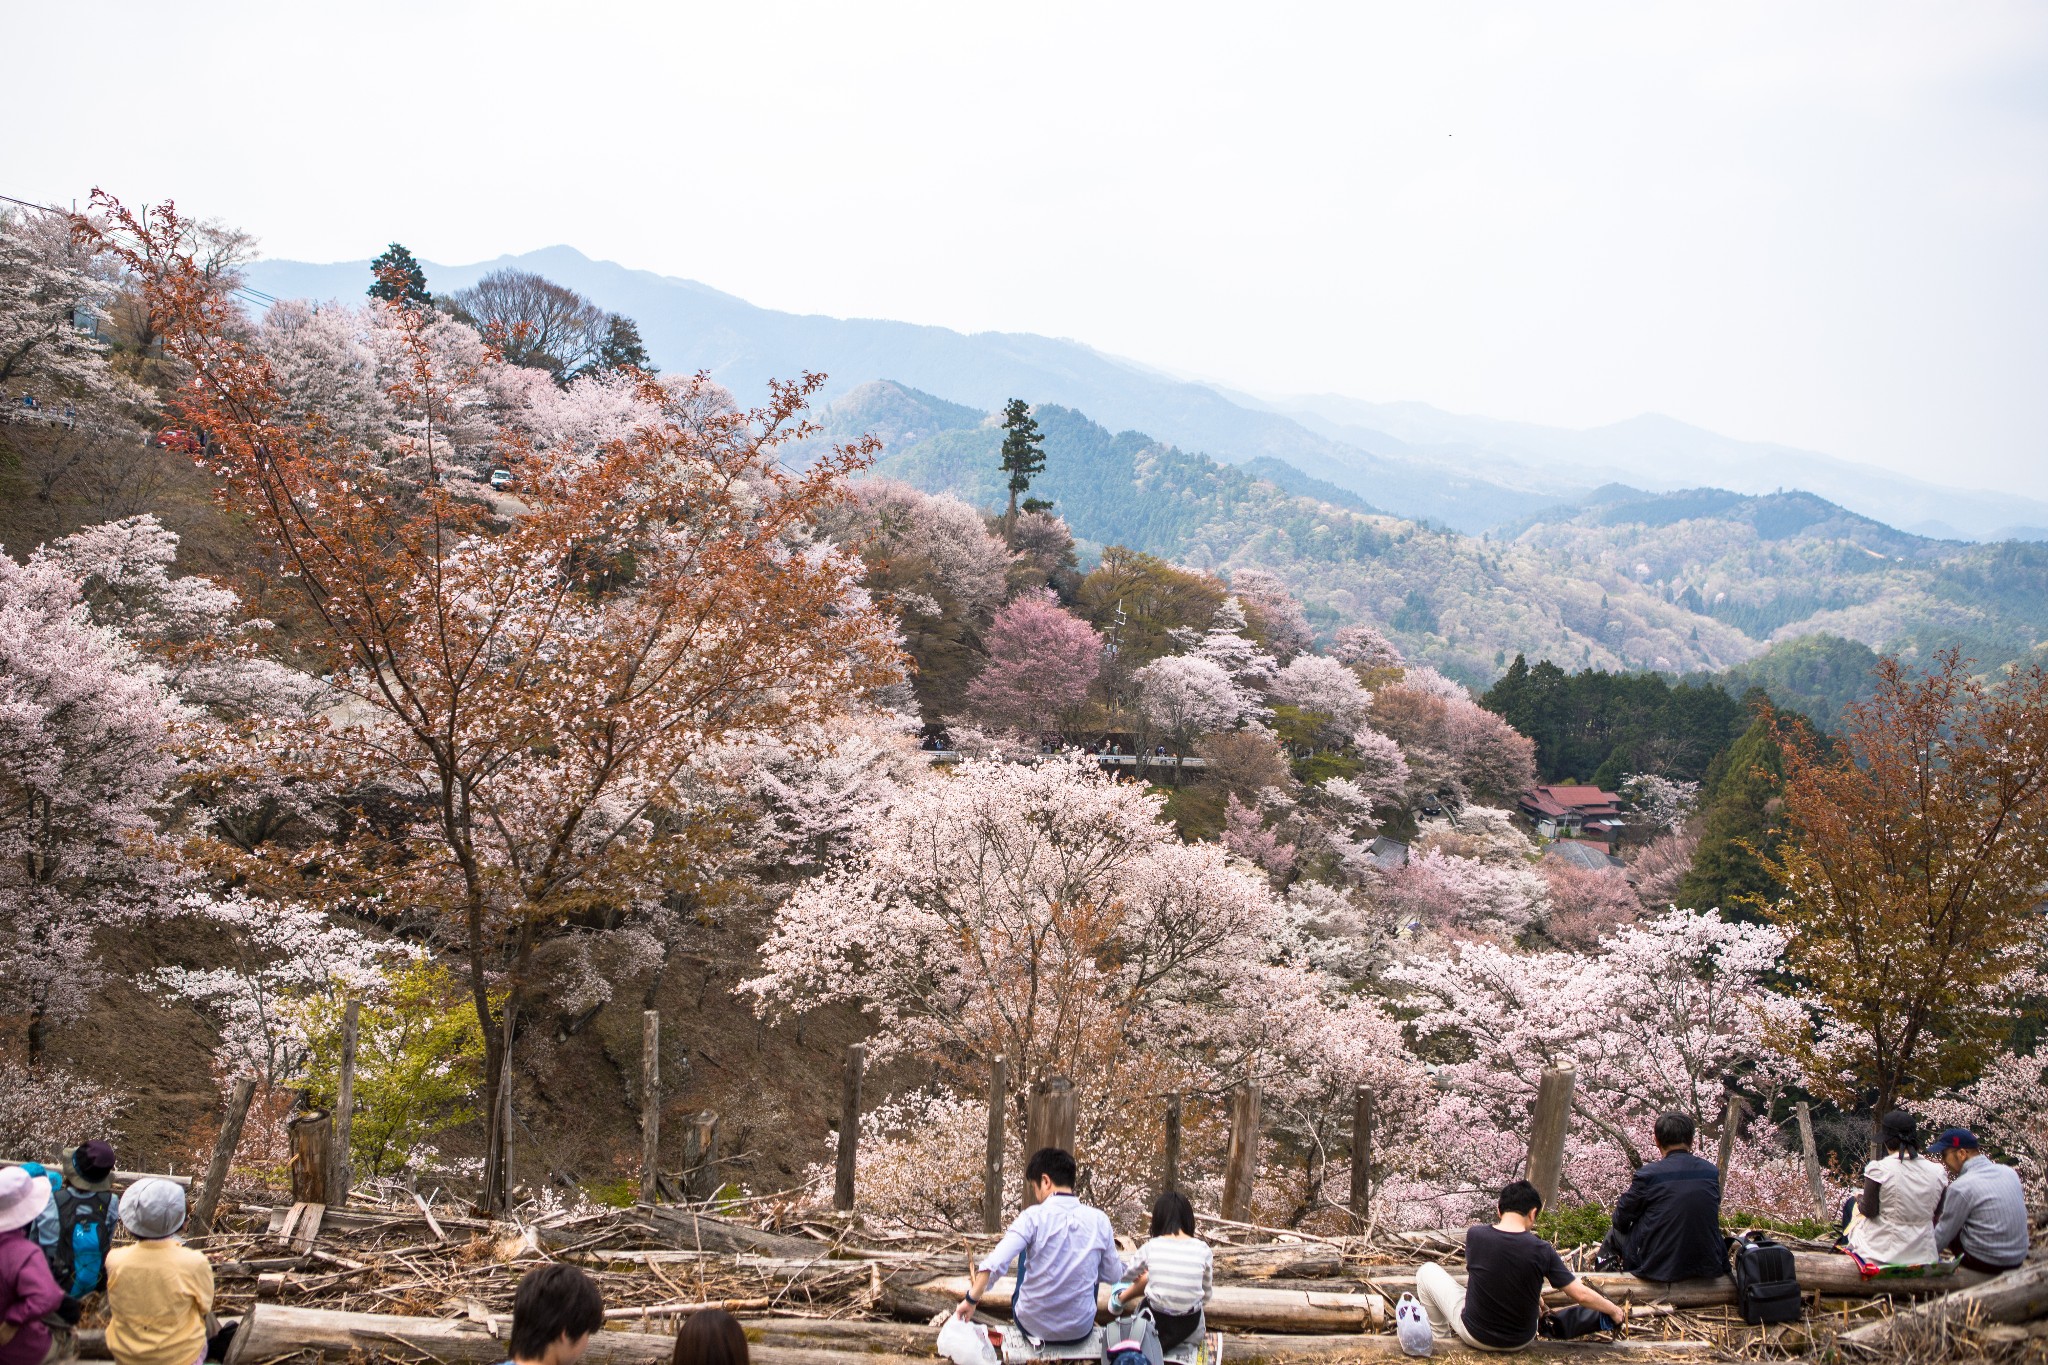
(1469, 474)
(1695, 581)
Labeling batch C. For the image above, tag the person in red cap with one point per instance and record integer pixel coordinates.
(28, 1292)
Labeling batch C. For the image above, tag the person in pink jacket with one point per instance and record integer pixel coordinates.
(28, 1292)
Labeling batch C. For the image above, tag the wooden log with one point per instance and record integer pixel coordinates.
(312, 1136)
(1169, 1175)
(1049, 1121)
(119, 1180)
(270, 1331)
(223, 1154)
(650, 1106)
(1827, 1273)
(992, 1158)
(849, 1127)
(1731, 1122)
(688, 1230)
(341, 1174)
(1549, 1127)
(1291, 1260)
(1815, 1180)
(1361, 1159)
(857, 1339)
(1231, 1308)
(1241, 1163)
(2015, 1296)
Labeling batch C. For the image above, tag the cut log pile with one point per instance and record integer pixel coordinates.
(407, 1280)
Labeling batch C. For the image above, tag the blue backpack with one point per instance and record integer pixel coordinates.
(85, 1232)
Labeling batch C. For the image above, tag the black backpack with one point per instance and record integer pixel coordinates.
(1766, 1281)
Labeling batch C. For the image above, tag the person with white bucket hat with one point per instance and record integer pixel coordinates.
(159, 1290)
(28, 1291)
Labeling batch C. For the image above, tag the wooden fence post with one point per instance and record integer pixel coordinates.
(1815, 1180)
(343, 1174)
(1170, 1177)
(223, 1154)
(849, 1127)
(1551, 1125)
(1730, 1121)
(700, 1156)
(1241, 1166)
(312, 1135)
(650, 1106)
(1361, 1158)
(1049, 1122)
(992, 1160)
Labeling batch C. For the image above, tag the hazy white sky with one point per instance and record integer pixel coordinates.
(1825, 224)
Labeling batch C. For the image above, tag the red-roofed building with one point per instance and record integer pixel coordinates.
(1556, 810)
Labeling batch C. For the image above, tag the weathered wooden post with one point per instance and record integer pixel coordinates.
(343, 1174)
(650, 1106)
(700, 1156)
(1815, 1180)
(849, 1127)
(1731, 1120)
(1049, 1120)
(992, 1160)
(1551, 1125)
(1169, 1178)
(1361, 1158)
(223, 1154)
(1241, 1165)
(312, 1140)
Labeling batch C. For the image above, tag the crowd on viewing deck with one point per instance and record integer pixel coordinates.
(1915, 1204)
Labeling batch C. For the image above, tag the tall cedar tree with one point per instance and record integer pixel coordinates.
(1023, 454)
(1912, 865)
(399, 279)
(535, 694)
(621, 348)
(1740, 823)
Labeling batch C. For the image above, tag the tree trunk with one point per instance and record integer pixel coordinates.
(992, 1158)
(343, 1173)
(1241, 1163)
(223, 1154)
(849, 1128)
(312, 1156)
(650, 1106)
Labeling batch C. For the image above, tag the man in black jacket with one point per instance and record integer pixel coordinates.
(1667, 1226)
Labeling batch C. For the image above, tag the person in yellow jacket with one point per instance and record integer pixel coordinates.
(159, 1290)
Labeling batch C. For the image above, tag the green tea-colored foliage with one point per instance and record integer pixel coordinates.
(1816, 675)
(419, 1064)
(622, 1193)
(1598, 726)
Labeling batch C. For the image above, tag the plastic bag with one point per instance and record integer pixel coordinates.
(966, 1343)
(1411, 1324)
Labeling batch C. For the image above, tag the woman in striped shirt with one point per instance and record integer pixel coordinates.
(1173, 1271)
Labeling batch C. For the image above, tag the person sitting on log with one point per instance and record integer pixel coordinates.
(1891, 1221)
(1500, 1305)
(1667, 1224)
(1064, 1250)
(555, 1311)
(1174, 1272)
(159, 1290)
(1983, 1213)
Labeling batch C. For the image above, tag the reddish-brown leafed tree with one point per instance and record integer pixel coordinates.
(1914, 865)
(526, 693)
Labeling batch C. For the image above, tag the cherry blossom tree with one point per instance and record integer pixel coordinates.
(1246, 834)
(2007, 1105)
(85, 727)
(1449, 893)
(822, 785)
(889, 520)
(1663, 803)
(1186, 696)
(1327, 689)
(1454, 747)
(1362, 646)
(1587, 904)
(1272, 610)
(1226, 645)
(1041, 661)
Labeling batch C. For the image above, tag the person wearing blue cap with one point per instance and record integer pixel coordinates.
(1983, 1213)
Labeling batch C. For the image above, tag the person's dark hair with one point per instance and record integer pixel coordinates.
(1520, 1197)
(1171, 1212)
(711, 1337)
(1674, 1130)
(1056, 1162)
(553, 1301)
(1901, 1133)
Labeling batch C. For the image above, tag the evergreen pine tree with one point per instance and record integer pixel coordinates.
(1742, 798)
(621, 348)
(410, 285)
(1023, 454)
